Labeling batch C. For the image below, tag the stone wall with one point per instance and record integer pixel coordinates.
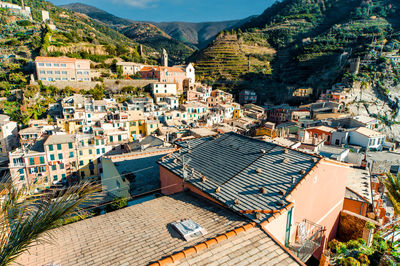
(116, 85)
(86, 85)
(109, 84)
(352, 226)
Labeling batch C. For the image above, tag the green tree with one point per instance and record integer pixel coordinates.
(392, 185)
(25, 219)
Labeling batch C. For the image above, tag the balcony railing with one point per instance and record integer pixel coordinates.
(309, 239)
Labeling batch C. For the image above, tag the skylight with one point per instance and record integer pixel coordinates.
(188, 229)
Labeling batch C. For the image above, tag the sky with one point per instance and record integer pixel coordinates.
(178, 10)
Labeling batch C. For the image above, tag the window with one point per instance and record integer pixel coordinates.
(119, 137)
(97, 151)
(59, 147)
(70, 146)
(21, 178)
(55, 177)
(97, 142)
(103, 150)
(80, 153)
(62, 166)
(48, 64)
(52, 157)
(60, 156)
(63, 176)
(81, 163)
(91, 172)
(71, 154)
(57, 72)
(57, 65)
(151, 126)
(63, 65)
(90, 151)
(31, 161)
(64, 72)
(111, 138)
(41, 160)
(54, 167)
(40, 64)
(42, 72)
(49, 72)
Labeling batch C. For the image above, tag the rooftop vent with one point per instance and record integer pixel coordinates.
(293, 180)
(189, 151)
(203, 179)
(263, 151)
(314, 160)
(286, 160)
(285, 151)
(282, 192)
(217, 190)
(302, 171)
(259, 170)
(263, 190)
(259, 216)
(280, 203)
(188, 229)
(237, 201)
(175, 160)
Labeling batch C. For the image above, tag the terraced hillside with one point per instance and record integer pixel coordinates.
(314, 41)
(230, 55)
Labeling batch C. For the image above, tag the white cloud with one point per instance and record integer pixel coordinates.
(138, 3)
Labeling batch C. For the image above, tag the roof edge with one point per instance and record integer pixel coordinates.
(203, 245)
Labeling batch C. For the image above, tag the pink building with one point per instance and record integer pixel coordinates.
(61, 152)
(165, 74)
(62, 69)
(295, 196)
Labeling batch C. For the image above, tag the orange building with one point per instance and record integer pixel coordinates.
(165, 74)
(302, 200)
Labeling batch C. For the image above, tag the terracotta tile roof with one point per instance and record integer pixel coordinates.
(149, 68)
(137, 235)
(246, 245)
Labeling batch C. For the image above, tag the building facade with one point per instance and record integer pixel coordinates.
(62, 69)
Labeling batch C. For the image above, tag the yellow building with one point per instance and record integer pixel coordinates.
(265, 131)
(140, 126)
(90, 148)
(70, 126)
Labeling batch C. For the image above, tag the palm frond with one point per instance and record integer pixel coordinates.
(26, 218)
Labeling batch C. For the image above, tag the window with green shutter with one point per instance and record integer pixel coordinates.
(52, 157)
(59, 147)
(80, 153)
(97, 151)
(51, 148)
(119, 137)
(54, 167)
(71, 154)
(60, 156)
(31, 161)
(55, 177)
(111, 138)
(62, 166)
(41, 160)
(80, 162)
(70, 145)
(90, 151)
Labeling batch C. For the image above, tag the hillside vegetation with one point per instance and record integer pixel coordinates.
(313, 39)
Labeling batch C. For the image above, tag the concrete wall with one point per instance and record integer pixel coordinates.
(112, 182)
(355, 206)
(352, 226)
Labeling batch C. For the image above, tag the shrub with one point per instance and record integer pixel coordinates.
(363, 259)
(334, 245)
(351, 262)
(117, 204)
(353, 244)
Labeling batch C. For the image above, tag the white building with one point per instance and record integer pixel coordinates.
(163, 88)
(366, 138)
(190, 73)
(130, 68)
(8, 135)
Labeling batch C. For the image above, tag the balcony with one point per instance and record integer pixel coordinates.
(309, 239)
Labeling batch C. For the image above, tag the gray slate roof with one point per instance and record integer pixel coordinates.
(231, 162)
